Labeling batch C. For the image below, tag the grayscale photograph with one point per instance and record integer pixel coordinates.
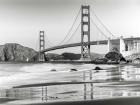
(69, 52)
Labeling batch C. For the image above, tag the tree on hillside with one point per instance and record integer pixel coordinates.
(114, 49)
(113, 56)
(71, 56)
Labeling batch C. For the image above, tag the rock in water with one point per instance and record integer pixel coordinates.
(16, 52)
(136, 61)
(73, 70)
(53, 69)
(98, 68)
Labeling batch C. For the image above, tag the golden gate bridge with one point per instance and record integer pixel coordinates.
(88, 28)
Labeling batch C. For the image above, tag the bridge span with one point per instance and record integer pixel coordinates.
(74, 45)
(124, 45)
(101, 42)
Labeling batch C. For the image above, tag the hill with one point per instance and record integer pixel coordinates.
(71, 56)
(96, 55)
(16, 52)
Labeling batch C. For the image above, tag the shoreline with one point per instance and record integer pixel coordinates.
(69, 62)
(55, 83)
(61, 62)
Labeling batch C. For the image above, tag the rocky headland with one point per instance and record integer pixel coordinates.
(15, 52)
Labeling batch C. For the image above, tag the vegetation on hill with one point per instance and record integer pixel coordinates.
(70, 56)
(113, 56)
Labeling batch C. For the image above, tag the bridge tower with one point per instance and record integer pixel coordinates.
(41, 45)
(85, 32)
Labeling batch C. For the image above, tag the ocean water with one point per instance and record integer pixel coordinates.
(111, 82)
(18, 74)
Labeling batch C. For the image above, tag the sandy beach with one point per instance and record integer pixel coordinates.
(38, 85)
(3, 100)
(115, 101)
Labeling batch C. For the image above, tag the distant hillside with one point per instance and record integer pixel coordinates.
(71, 56)
(96, 55)
(53, 56)
(16, 52)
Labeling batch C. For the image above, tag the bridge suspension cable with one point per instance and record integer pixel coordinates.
(69, 31)
(70, 35)
(49, 44)
(74, 33)
(98, 28)
(93, 13)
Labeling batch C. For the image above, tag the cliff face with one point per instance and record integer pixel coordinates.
(16, 52)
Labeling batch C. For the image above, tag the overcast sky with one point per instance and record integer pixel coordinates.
(21, 20)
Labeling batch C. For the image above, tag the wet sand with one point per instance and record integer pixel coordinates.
(3, 100)
(115, 101)
(56, 83)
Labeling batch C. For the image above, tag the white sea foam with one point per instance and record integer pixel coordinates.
(11, 75)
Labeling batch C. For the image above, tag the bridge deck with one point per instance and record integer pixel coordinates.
(101, 42)
(74, 45)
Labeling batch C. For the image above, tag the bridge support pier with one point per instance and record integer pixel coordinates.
(85, 32)
(41, 57)
(41, 45)
(109, 45)
(122, 45)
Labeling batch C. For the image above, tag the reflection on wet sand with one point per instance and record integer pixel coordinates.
(84, 91)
